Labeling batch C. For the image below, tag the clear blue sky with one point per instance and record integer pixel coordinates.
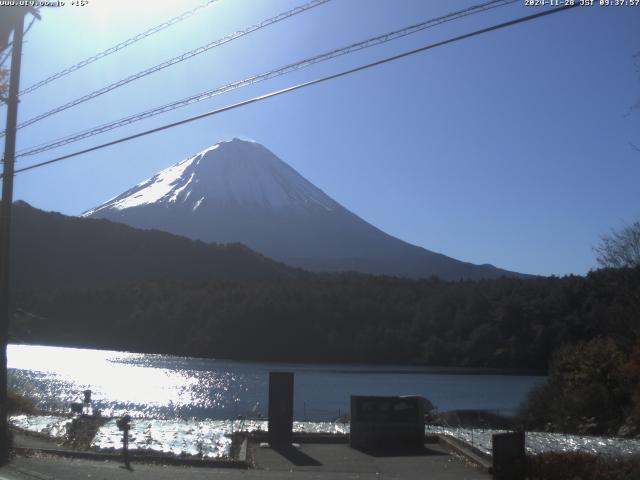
(512, 148)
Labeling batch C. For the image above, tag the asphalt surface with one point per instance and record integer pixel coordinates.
(310, 461)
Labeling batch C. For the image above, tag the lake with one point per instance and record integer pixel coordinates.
(190, 405)
(169, 387)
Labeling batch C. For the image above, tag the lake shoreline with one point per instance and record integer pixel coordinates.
(163, 386)
(396, 368)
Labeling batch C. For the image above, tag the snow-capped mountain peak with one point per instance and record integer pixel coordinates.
(238, 191)
(235, 172)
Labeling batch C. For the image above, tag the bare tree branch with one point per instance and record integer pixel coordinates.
(620, 248)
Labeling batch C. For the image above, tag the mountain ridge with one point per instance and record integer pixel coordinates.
(239, 191)
(52, 250)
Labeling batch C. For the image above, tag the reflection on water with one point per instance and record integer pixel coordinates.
(167, 387)
(212, 438)
(53, 426)
(141, 385)
(205, 438)
(188, 405)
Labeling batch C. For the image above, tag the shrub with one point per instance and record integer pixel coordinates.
(19, 403)
(586, 466)
(587, 390)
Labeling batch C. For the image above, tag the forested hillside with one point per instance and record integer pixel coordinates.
(505, 323)
(50, 250)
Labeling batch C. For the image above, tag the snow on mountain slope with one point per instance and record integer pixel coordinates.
(239, 191)
(242, 173)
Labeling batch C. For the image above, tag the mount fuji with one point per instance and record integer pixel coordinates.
(239, 191)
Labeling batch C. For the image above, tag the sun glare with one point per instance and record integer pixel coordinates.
(142, 10)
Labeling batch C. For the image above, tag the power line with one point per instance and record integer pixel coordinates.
(7, 55)
(175, 60)
(118, 47)
(302, 85)
(387, 37)
(10, 45)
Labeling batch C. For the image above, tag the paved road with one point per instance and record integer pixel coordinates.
(311, 461)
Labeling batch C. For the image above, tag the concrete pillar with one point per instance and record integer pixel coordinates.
(280, 407)
(509, 459)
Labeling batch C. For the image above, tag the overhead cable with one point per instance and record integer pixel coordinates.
(387, 37)
(302, 85)
(10, 44)
(118, 47)
(174, 60)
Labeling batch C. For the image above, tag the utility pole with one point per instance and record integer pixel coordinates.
(5, 224)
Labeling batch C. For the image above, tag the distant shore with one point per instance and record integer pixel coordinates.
(361, 368)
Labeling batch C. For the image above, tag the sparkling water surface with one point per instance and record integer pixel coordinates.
(169, 387)
(212, 438)
(541, 442)
(191, 406)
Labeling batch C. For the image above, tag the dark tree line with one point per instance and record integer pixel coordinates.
(505, 323)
